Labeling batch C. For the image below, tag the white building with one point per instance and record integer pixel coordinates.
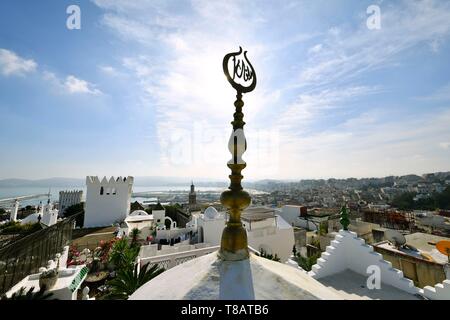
(107, 201)
(295, 217)
(47, 215)
(140, 220)
(209, 226)
(348, 270)
(68, 199)
(269, 232)
(159, 215)
(266, 230)
(67, 285)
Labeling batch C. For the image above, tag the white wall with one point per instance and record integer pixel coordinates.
(441, 291)
(272, 237)
(212, 229)
(290, 213)
(49, 217)
(253, 225)
(277, 239)
(105, 209)
(172, 234)
(159, 215)
(347, 251)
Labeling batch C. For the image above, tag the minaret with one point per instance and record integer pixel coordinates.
(192, 197)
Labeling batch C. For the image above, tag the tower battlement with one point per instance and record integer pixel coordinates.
(94, 180)
(107, 200)
(69, 192)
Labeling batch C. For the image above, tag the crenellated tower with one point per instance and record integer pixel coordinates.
(107, 201)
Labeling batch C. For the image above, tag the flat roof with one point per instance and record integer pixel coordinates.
(424, 241)
(352, 286)
(426, 252)
(258, 214)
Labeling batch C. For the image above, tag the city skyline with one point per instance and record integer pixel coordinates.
(139, 89)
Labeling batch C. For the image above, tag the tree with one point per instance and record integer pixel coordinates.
(127, 281)
(171, 211)
(135, 232)
(323, 228)
(405, 201)
(122, 255)
(443, 199)
(76, 208)
(307, 263)
(2, 211)
(136, 206)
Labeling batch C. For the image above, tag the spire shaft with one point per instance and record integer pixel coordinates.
(234, 244)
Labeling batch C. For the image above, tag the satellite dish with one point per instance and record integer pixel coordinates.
(395, 237)
(444, 247)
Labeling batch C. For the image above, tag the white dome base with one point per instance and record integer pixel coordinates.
(209, 278)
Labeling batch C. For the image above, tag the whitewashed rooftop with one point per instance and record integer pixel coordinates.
(209, 278)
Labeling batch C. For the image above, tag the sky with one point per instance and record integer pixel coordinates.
(139, 88)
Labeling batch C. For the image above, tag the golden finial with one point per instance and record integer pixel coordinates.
(234, 237)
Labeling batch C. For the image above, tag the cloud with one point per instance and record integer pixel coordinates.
(75, 85)
(109, 70)
(347, 54)
(378, 147)
(72, 84)
(441, 94)
(12, 64)
(181, 82)
(316, 49)
(311, 106)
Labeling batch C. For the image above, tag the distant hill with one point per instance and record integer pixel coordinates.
(138, 182)
(158, 181)
(52, 182)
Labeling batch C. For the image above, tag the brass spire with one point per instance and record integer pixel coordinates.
(234, 237)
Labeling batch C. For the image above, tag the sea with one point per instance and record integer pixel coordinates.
(6, 193)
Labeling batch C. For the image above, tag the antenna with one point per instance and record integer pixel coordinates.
(395, 237)
(444, 248)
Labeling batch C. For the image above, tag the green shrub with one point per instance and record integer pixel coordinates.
(264, 254)
(307, 263)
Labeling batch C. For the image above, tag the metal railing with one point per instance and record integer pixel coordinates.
(26, 255)
(171, 260)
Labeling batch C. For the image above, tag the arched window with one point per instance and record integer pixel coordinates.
(101, 190)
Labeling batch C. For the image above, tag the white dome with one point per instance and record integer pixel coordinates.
(139, 213)
(211, 213)
(254, 278)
